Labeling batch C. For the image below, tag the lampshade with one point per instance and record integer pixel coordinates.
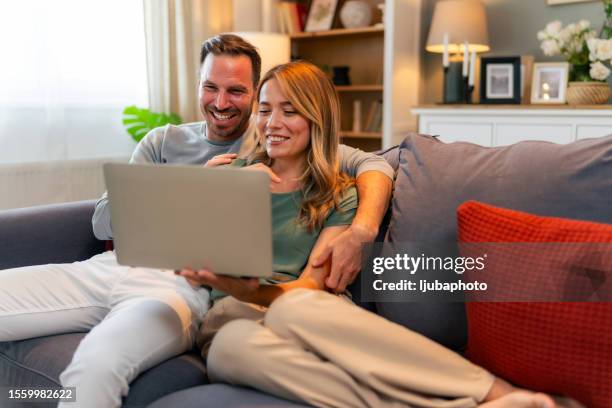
(273, 48)
(462, 20)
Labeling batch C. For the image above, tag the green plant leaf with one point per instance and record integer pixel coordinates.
(140, 121)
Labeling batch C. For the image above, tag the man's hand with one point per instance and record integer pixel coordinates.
(221, 159)
(240, 288)
(345, 253)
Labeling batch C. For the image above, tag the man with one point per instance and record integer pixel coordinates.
(115, 303)
(229, 74)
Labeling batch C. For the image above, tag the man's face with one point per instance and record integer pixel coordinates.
(226, 95)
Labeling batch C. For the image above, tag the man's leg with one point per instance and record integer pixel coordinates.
(136, 335)
(58, 298)
(394, 361)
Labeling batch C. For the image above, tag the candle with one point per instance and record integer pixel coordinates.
(472, 68)
(445, 51)
(465, 59)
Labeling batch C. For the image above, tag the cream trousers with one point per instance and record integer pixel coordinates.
(317, 348)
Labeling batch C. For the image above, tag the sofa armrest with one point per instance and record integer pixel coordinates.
(57, 233)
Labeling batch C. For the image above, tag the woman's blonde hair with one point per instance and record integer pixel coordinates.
(314, 97)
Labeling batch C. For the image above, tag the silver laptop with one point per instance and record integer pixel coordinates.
(171, 217)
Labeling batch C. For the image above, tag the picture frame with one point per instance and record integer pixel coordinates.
(321, 15)
(500, 80)
(549, 83)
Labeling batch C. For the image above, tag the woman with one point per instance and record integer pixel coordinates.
(312, 201)
(305, 356)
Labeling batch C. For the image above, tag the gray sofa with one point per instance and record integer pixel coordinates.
(432, 180)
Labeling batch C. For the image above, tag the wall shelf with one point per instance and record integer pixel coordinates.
(359, 88)
(361, 135)
(338, 32)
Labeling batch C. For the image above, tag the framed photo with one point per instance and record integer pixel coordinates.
(321, 15)
(555, 2)
(500, 80)
(549, 84)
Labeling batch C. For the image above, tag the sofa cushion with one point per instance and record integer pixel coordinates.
(221, 395)
(38, 362)
(56, 233)
(556, 347)
(434, 178)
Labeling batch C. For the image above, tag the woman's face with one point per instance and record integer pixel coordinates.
(286, 133)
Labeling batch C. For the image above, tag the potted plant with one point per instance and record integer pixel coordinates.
(140, 121)
(606, 31)
(589, 59)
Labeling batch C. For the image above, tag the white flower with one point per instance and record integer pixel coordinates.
(542, 35)
(553, 28)
(599, 50)
(599, 71)
(604, 49)
(584, 24)
(550, 47)
(592, 44)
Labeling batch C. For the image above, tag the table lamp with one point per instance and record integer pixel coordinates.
(458, 27)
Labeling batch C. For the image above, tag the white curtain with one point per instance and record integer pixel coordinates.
(175, 30)
(67, 70)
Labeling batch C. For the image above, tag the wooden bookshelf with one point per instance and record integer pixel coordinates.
(363, 51)
(361, 135)
(338, 32)
(359, 88)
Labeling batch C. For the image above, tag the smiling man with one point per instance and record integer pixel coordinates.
(229, 73)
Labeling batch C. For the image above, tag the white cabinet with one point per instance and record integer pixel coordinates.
(499, 126)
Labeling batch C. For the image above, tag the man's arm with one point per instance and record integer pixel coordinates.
(147, 151)
(374, 185)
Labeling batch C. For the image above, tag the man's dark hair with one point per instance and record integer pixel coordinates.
(231, 44)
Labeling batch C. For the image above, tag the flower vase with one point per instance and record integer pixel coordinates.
(587, 93)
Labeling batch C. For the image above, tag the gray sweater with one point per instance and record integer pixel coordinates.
(188, 144)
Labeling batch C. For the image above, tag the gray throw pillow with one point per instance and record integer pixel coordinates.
(434, 178)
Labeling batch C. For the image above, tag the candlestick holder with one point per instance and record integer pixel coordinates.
(468, 90)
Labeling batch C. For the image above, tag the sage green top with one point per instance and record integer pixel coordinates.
(292, 243)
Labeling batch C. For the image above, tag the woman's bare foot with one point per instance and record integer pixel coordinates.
(521, 399)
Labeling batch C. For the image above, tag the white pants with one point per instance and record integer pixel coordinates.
(138, 317)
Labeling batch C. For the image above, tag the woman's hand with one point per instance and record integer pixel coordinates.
(221, 160)
(241, 288)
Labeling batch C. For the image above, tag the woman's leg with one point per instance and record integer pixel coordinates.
(222, 312)
(393, 360)
(298, 372)
(246, 353)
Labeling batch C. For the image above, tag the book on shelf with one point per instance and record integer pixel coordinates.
(373, 121)
(291, 16)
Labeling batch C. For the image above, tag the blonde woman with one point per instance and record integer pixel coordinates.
(312, 346)
(312, 201)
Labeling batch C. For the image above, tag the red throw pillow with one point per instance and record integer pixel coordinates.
(559, 348)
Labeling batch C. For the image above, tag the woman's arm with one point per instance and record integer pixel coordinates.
(249, 290)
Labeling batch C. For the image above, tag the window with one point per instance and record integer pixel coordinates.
(67, 70)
